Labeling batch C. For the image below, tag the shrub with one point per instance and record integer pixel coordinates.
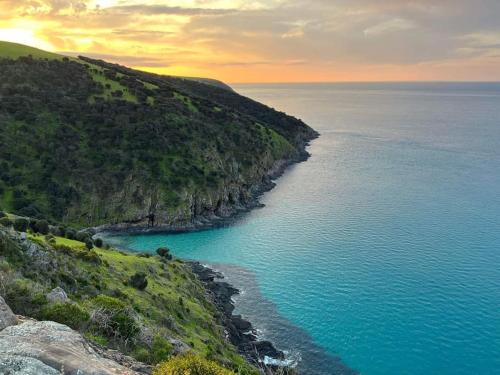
(70, 234)
(112, 317)
(59, 231)
(5, 221)
(89, 256)
(89, 244)
(21, 224)
(2, 214)
(98, 242)
(25, 297)
(41, 226)
(82, 236)
(138, 280)
(163, 251)
(69, 314)
(160, 350)
(190, 364)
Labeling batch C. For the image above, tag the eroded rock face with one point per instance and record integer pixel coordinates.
(7, 317)
(50, 346)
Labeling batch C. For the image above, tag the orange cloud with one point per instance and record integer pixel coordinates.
(271, 40)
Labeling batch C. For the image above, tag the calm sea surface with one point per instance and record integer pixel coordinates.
(382, 251)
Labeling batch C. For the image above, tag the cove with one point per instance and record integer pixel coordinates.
(383, 248)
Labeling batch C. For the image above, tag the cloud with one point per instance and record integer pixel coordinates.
(162, 9)
(392, 25)
(223, 37)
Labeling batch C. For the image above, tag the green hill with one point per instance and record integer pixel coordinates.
(87, 143)
(14, 51)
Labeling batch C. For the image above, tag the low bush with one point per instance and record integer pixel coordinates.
(21, 224)
(69, 314)
(41, 226)
(98, 242)
(70, 234)
(89, 244)
(82, 236)
(190, 364)
(25, 297)
(89, 256)
(113, 318)
(138, 281)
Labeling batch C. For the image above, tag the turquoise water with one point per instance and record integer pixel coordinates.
(383, 248)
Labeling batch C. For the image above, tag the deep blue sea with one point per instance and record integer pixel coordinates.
(381, 253)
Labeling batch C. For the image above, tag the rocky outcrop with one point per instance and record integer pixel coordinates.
(34, 347)
(7, 317)
(238, 330)
(57, 295)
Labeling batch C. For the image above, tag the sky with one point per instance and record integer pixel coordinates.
(271, 40)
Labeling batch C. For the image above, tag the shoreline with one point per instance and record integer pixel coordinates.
(240, 332)
(204, 222)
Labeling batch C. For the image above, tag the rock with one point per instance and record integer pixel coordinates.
(7, 317)
(240, 323)
(56, 346)
(179, 347)
(16, 365)
(57, 295)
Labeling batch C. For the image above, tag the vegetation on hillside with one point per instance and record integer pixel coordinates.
(85, 142)
(106, 305)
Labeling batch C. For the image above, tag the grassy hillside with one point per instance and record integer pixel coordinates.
(85, 142)
(14, 51)
(105, 303)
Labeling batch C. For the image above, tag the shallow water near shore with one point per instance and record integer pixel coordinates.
(384, 247)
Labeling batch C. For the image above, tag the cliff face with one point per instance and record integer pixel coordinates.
(89, 143)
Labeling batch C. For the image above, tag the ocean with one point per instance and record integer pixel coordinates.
(381, 253)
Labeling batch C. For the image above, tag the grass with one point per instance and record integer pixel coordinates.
(14, 51)
(110, 86)
(280, 147)
(187, 101)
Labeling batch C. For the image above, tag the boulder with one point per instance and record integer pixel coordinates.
(7, 317)
(241, 324)
(57, 295)
(33, 344)
(179, 347)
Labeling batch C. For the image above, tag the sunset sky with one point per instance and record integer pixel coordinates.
(271, 40)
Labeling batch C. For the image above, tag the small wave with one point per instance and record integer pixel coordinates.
(291, 360)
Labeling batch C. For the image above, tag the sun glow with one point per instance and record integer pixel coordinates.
(265, 40)
(25, 36)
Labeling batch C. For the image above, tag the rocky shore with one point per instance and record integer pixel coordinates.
(218, 214)
(239, 331)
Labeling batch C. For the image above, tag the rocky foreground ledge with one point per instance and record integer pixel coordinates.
(31, 347)
(238, 330)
